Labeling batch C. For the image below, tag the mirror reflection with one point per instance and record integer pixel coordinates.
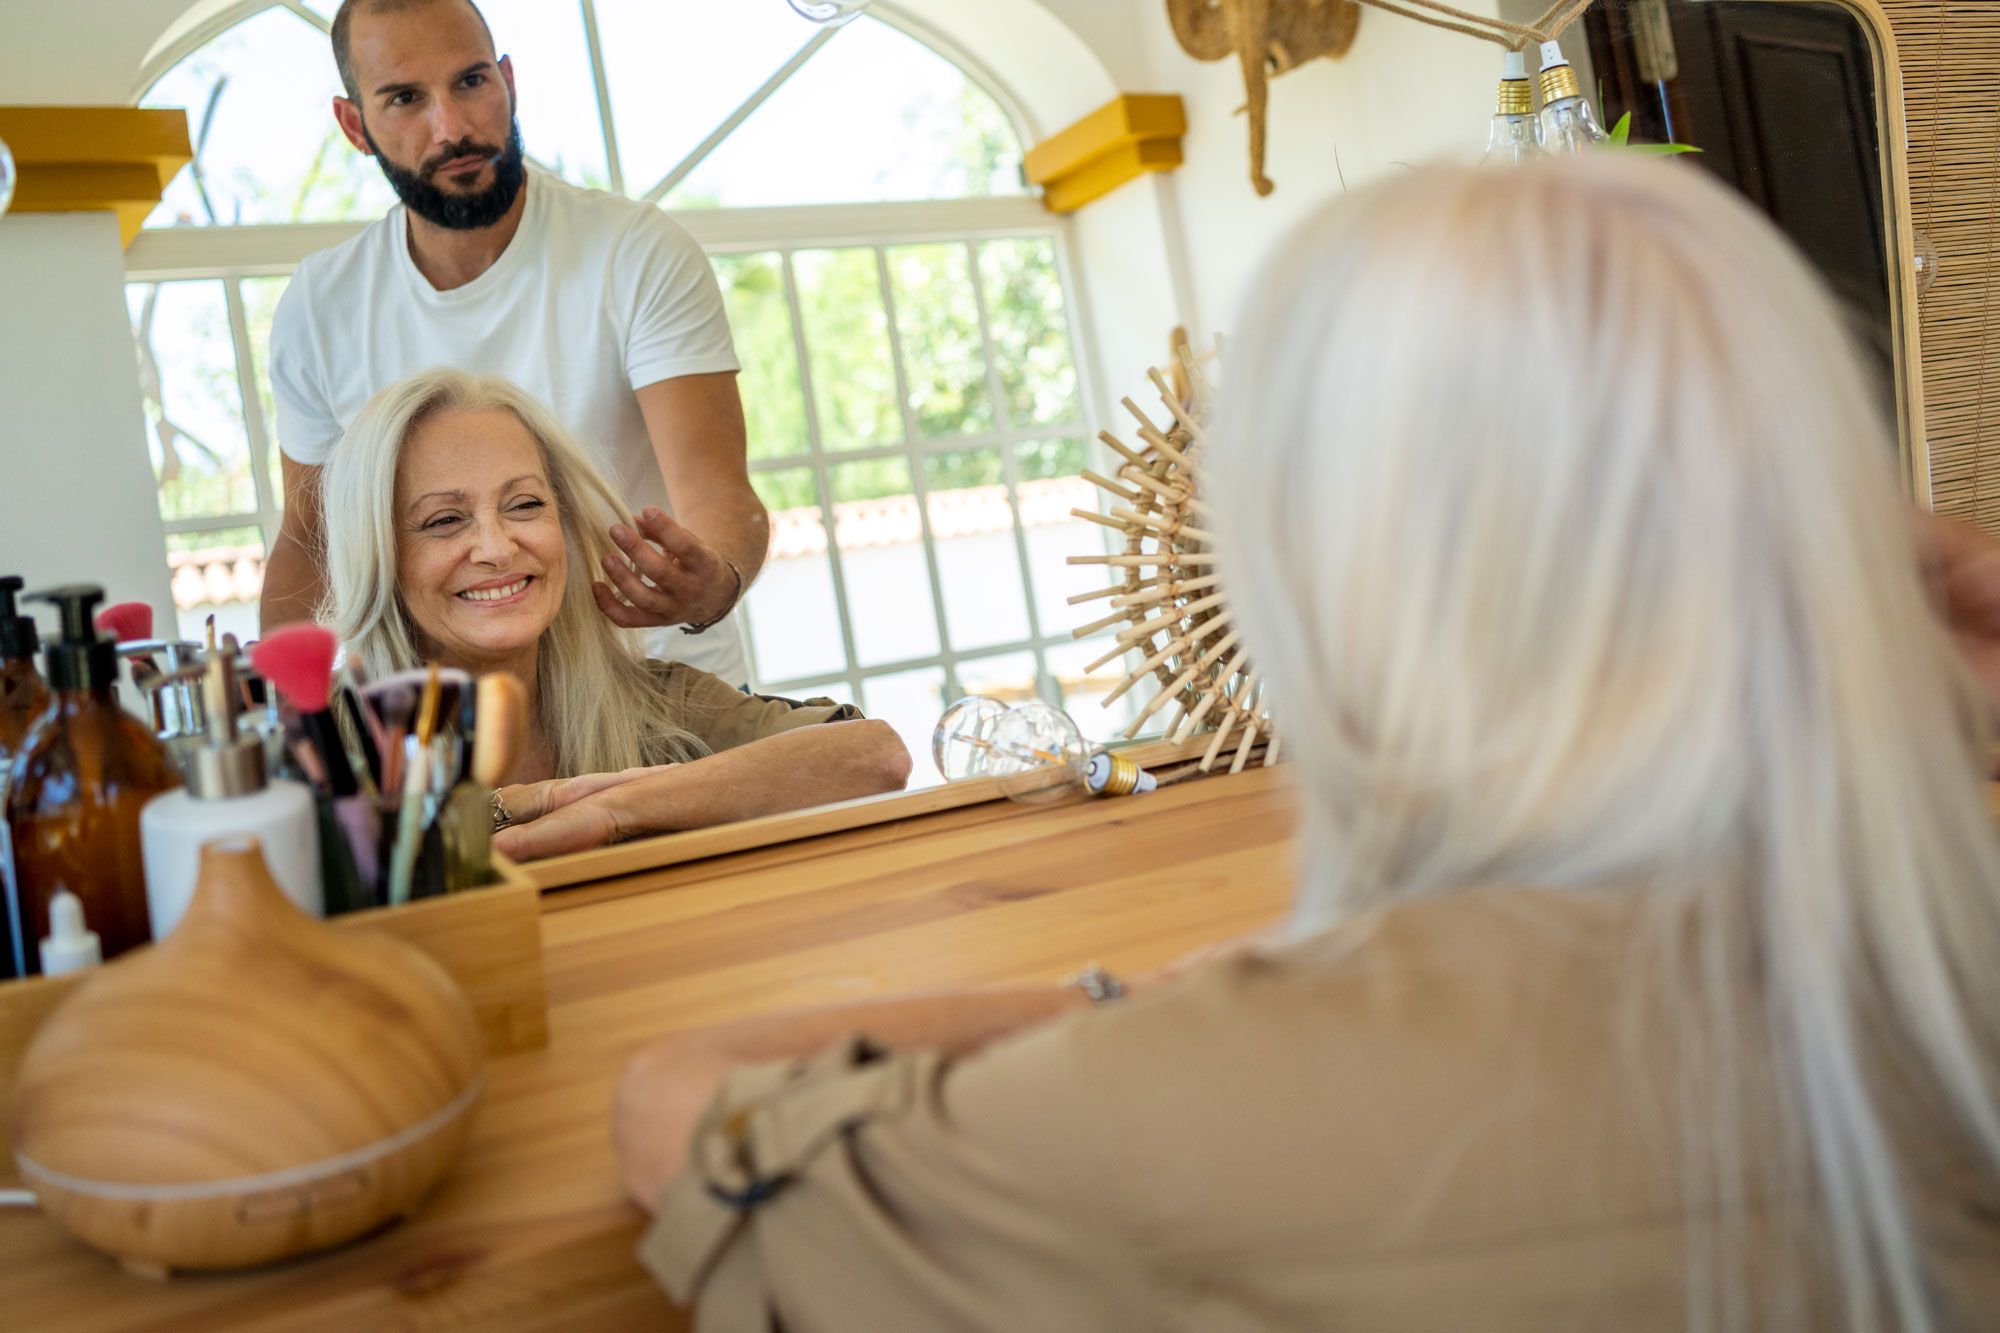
(844, 469)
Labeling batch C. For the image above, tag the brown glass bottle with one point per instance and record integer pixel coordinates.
(23, 698)
(73, 806)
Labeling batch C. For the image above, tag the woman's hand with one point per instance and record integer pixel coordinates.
(563, 815)
(582, 824)
(1963, 565)
(528, 801)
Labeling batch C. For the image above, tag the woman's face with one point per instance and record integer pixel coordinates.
(480, 559)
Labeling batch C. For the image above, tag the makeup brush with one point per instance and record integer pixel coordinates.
(126, 621)
(298, 659)
(501, 722)
(503, 728)
(416, 776)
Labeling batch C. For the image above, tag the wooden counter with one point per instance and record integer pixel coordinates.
(530, 1230)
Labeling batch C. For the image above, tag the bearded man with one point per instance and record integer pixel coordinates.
(601, 306)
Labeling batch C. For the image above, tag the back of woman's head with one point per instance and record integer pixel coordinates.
(597, 704)
(1563, 523)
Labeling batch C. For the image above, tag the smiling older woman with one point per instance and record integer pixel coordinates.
(457, 510)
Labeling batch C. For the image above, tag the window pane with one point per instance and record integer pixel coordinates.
(939, 328)
(216, 573)
(882, 557)
(1083, 694)
(774, 410)
(1024, 311)
(677, 69)
(260, 303)
(794, 619)
(874, 115)
(1008, 677)
(972, 526)
(911, 702)
(187, 373)
(847, 337)
(555, 95)
(258, 103)
(1050, 488)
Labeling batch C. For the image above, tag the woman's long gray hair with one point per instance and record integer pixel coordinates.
(1560, 514)
(597, 701)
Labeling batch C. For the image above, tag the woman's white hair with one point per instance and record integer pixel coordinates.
(1565, 525)
(598, 703)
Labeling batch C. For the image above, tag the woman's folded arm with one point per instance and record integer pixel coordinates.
(790, 770)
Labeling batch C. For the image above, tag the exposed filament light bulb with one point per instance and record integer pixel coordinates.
(830, 13)
(1568, 125)
(1034, 749)
(1513, 137)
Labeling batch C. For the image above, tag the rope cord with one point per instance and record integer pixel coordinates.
(1513, 36)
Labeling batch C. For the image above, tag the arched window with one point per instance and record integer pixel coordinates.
(909, 339)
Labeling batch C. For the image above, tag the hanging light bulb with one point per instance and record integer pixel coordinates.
(832, 13)
(1568, 125)
(1512, 137)
(6, 176)
(1034, 749)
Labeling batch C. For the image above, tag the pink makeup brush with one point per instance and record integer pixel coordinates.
(127, 621)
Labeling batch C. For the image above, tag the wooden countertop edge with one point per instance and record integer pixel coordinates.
(668, 849)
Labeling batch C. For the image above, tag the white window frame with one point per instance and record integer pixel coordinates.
(233, 253)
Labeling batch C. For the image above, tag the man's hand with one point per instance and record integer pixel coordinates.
(684, 581)
(1962, 564)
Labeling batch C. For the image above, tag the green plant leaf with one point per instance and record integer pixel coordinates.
(1621, 131)
(1662, 149)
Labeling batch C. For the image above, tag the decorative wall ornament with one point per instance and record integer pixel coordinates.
(1169, 595)
(1269, 37)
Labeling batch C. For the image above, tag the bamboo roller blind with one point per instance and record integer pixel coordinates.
(1950, 55)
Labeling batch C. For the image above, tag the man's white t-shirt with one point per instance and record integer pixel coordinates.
(595, 296)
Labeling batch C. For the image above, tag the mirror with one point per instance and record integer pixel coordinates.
(1784, 99)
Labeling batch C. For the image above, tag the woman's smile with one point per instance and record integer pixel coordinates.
(495, 592)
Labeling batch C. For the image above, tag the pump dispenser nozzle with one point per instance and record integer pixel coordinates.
(18, 636)
(82, 659)
(227, 763)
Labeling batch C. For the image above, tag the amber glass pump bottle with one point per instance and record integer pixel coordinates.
(23, 698)
(73, 807)
(22, 694)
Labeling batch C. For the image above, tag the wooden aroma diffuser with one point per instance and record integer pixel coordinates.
(256, 1086)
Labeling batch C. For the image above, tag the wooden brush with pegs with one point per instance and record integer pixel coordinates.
(1169, 605)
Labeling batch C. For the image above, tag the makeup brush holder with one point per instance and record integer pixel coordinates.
(256, 1086)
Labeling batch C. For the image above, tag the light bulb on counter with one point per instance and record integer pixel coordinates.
(964, 735)
(1513, 135)
(6, 176)
(1034, 749)
(831, 13)
(1568, 125)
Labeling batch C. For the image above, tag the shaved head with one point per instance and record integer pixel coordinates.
(343, 24)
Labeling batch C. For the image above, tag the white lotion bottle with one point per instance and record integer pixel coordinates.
(227, 794)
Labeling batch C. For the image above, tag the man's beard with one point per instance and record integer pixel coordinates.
(446, 208)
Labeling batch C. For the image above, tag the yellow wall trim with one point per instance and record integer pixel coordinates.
(76, 159)
(1133, 133)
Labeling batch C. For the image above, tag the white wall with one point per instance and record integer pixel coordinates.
(77, 503)
(1403, 93)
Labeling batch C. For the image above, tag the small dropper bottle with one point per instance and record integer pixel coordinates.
(1512, 138)
(73, 807)
(1568, 124)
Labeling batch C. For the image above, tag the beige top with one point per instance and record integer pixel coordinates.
(1441, 1116)
(724, 717)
